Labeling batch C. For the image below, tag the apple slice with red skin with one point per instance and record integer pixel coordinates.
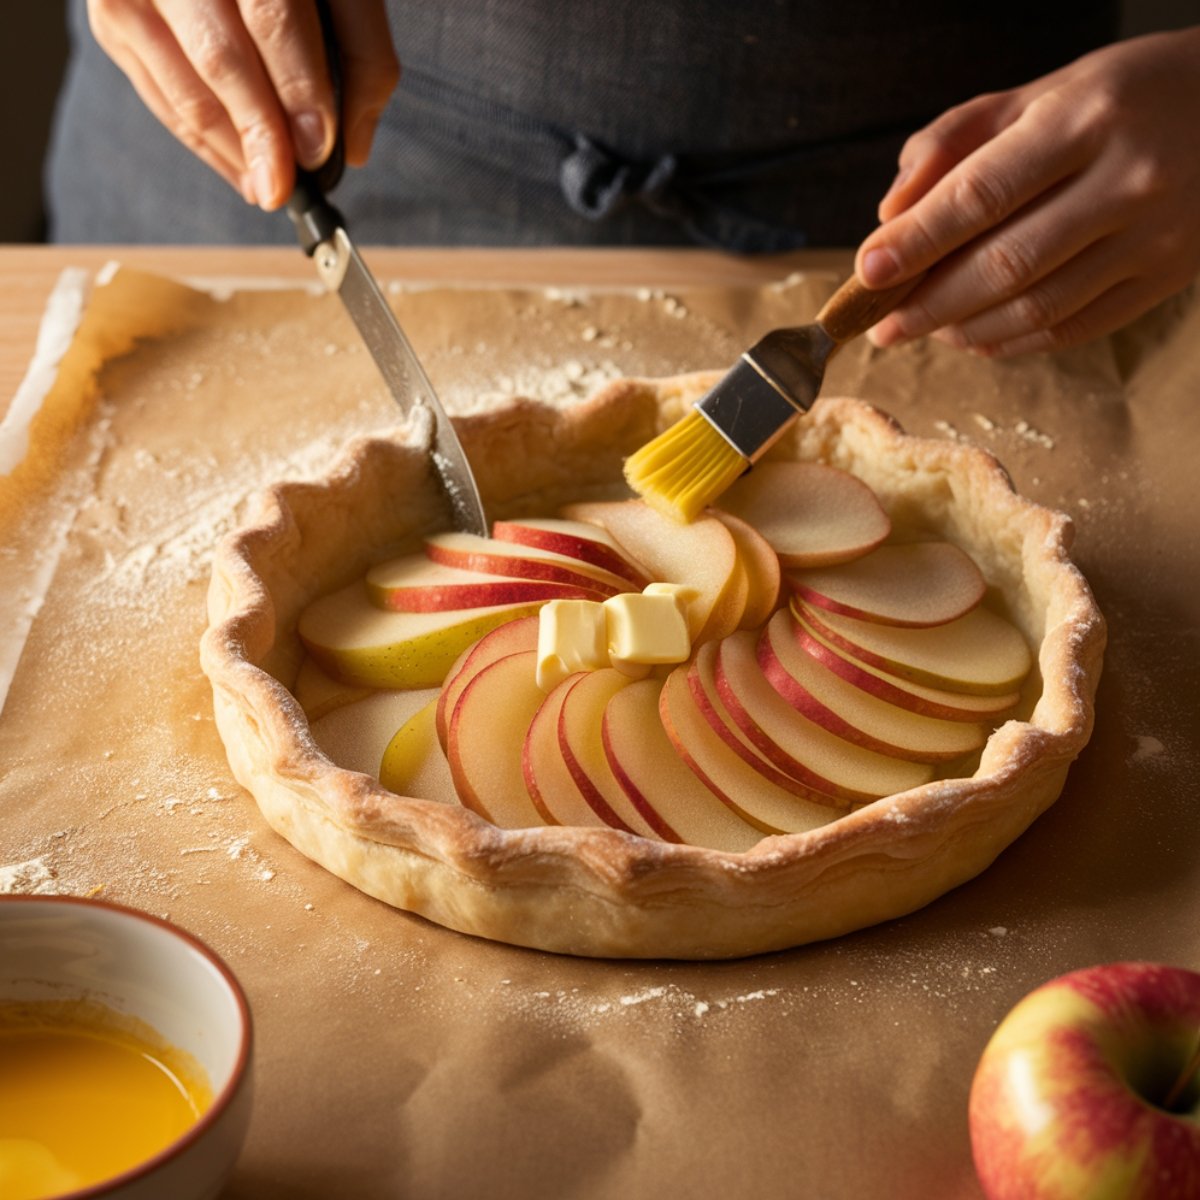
(581, 743)
(415, 583)
(930, 702)
(794, 743)
(701, 554)
(811, 513)
(1072, 1096)
(658, 782)
(761, 564)
(510, 638)
(575, 539)
(831, 702)
(484, 739)
(915, 584)
(748, 792)
(979, 653)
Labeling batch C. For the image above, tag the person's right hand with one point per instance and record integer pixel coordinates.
(245, 85)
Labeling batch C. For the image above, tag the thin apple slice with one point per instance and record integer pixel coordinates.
(812, 514)
(659, 783)
(915, 584)
(830, 701)
(747, 792)
(413, 763)
(510, 638)
(980, 652)
(551, 786)
(415, 583)
(355, 735)
(930, 702)
(486, 732)
(358, 643)
(797, 745)
(319, 693)
(494, 557)
(761, 563)
(581, 745)
(575, 539)
(701, 554)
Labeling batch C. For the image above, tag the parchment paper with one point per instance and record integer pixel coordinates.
(395, 1058)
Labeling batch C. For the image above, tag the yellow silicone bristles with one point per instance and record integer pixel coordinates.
(685, 468)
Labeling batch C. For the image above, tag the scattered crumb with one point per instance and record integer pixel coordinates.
(1147, 747)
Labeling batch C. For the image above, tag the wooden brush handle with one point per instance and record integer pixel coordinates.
(853, 308)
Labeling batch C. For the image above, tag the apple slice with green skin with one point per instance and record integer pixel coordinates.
(660, 785)
(980, 653)
(811, 513)
(413, 763)
(319, 693)
(831, 702)
(575, 539)
(701, 554)
(512, 637)
(358, 643)
(355, 735)
(581, 745)
(916, 584)
(486, 733)
(745, 790)
(797, 745)
(761, 564)
(415, 583)
(930, 702)
(491, 556)
(551, 786)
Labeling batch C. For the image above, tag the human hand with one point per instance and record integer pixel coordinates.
(1056, 212)
(244, 84)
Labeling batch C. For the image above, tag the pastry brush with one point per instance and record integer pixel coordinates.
(774, 382)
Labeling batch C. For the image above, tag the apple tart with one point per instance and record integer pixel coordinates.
(871, 704)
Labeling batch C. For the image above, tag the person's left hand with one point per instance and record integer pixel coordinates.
(1051, 214)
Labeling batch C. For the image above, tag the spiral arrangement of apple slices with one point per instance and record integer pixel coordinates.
(833, 663)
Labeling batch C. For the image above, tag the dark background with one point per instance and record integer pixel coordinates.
(35, 37)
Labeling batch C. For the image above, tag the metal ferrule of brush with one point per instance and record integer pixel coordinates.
(774, 382)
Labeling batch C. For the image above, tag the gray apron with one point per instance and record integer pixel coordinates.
(755, 127)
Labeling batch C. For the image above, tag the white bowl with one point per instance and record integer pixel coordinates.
(63, 947)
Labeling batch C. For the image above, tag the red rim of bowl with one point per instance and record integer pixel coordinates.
(237, 1076)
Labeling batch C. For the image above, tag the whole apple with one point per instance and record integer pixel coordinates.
(1088, 1089)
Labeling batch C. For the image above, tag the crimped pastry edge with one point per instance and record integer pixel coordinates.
(601, 892)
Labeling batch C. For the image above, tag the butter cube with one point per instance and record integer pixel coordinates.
(685, 596)
(646, 628)
(572, 636)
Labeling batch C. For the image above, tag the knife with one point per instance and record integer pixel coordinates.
(323, 236)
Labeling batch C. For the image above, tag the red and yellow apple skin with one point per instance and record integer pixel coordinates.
(1067, 1099)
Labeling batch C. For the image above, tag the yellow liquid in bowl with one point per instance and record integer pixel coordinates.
(86, 1094)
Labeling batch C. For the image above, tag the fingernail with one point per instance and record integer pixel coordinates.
(308, 137)
(263, 182)
(879, 267)
(246, 187)
(902, 177)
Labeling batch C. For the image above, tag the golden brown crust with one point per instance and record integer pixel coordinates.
(600, 892)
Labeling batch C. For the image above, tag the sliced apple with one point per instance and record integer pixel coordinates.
(701, 554)
(319, 693)
(484, 739)
(358, 643)
(746, 791)
(797, 745)
(761, 563)
(830, 701)
(551, 786)
(575, 539)
(914, 584)
(473, 553)
(931, 702)
(811, 513)
(979, 652)
(413, 763)
(415, 583)
(582, 748)
(667, 793)
(510, 638)
(355, 735)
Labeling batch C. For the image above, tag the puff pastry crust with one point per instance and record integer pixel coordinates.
(602, 892)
